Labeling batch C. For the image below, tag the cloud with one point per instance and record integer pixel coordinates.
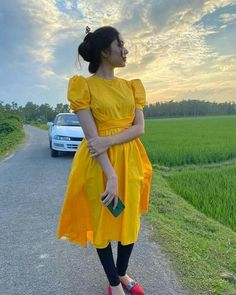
(177, 38)
(42, 86)
(168, 43)
(228, 18)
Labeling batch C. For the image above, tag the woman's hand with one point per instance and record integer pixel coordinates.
(111, 192)
(99, 144)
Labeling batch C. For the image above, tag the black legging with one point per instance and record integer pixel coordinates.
(107, 260)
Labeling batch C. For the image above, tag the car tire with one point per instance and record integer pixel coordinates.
(54, 153)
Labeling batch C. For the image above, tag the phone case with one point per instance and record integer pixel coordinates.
(119, 207)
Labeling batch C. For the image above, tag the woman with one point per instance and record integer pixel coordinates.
(111, 160)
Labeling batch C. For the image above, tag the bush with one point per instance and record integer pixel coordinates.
(10, 123)
(6, 127)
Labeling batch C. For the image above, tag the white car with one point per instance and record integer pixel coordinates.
(65, 133)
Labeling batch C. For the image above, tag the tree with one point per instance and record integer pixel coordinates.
(30, 111)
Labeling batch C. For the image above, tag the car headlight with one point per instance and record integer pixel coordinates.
(60, 137)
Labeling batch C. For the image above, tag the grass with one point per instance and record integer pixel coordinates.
(210, 190)
(200, 248)
(193, 201)
(11, 132)
(10, 142)
(43, 126)
(198, 140)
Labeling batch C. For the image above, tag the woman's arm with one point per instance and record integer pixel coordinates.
(90, 131)
(136, 130)
(99, 144)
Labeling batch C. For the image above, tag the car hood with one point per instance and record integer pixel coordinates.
(73, 131)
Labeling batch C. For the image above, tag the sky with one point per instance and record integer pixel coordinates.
(180, 49)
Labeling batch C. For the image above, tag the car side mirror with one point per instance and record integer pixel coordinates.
(50, 124)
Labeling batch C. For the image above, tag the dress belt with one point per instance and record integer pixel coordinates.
(111, 124)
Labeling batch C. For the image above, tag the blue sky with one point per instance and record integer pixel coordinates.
(180, 49)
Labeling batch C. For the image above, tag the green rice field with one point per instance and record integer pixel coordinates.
(193, 198)
(194, 142)
(181, 141)
(211, 191)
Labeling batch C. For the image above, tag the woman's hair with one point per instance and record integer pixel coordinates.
(94, 42)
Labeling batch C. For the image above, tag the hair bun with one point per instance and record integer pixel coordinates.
(88, 37)
(85, 48)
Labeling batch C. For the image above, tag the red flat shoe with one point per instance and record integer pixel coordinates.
(134, 288)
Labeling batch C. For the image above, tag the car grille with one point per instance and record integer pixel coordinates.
(76, 138)
(72, 146)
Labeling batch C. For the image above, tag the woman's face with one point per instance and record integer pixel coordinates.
(118, 52)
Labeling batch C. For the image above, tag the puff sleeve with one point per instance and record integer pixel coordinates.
(139, 93)
(78, 93)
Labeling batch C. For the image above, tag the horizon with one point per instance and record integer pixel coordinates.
(179, 49)
(160, 102)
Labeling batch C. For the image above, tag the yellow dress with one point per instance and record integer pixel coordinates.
(83, 217)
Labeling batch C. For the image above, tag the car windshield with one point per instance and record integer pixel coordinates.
(67, 120)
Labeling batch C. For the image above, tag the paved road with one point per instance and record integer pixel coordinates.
(33, 261)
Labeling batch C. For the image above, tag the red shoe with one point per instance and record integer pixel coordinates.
(134, 288)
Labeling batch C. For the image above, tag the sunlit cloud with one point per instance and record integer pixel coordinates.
(169, 42)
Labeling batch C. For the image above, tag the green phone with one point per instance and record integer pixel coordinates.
(119, 207)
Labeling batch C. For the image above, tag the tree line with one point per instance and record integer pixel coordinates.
(188, 108)
(32, 112)
(185, 108)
